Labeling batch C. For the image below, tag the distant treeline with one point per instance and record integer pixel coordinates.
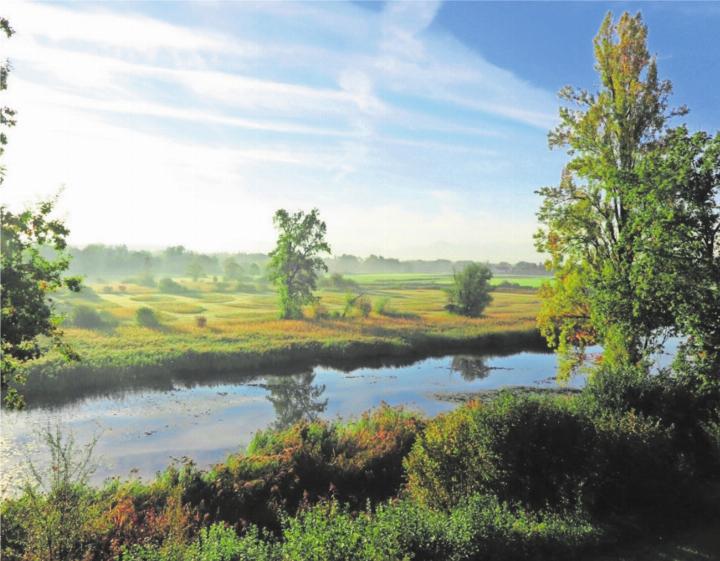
(118, 260)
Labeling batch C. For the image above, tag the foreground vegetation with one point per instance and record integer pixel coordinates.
(521, 477)
(213, 325)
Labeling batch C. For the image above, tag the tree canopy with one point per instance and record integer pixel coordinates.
(297, 259)
(32, 262)
(469, 293)
(625, 220)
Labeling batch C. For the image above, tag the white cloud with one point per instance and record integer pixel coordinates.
(167, 133)
(109, 29)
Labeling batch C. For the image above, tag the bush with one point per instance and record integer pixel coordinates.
(357, 305)
(683, 404)
(283, 470)
(170, 286)
(147, 317)
(246, 287)
(469, 294)
(87, 317)
(530, 450)
(318, 311)
(337, 282)
(216, 543)
(201, 321)
(381, 306)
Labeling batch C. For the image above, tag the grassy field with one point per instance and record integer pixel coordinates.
(242, 329)
(413, 280)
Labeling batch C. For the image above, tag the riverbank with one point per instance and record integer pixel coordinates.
(519, 477)
(240, 335)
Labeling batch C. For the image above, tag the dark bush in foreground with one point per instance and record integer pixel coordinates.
(479, 528)
(354, 463)
(538, 452)
(520, 478)
(534, 451)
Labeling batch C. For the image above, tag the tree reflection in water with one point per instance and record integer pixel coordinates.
(295, 398)
(470, 367)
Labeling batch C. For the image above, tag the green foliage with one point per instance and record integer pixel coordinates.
(338, 282)
(28, 279)
(87, 317)
(195, 270)
(60, 500)
(146, 317)
(357, 304)
(169, 286)
(469, 294)
(599, 223)
(7, 115)
(233, 270)
(216, 543)
(308, 461)
(683, 175)
(529, 450)
(685, 405)
(296, 259)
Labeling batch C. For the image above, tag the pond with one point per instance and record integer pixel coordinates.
(207, 417)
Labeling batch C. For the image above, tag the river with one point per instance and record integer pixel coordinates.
(206, 417)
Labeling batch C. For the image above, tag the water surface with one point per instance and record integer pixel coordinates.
(207, 418)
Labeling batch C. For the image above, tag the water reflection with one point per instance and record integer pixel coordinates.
(470, 367)
(295, 398)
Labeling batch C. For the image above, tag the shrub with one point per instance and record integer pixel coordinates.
(246, 287)
(147, 280)
(170, 286)
(684, 404)
(530, 450)
(469, 294)
(318, 311)
(357, 305)
(147, 317)
(200, 321)
(59, 501)
(381, 306)
(87, 317)
(337, 282)
(282, 470)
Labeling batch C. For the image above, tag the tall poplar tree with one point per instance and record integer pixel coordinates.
(593, 221)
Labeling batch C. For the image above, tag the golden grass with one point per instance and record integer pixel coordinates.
(247, 323)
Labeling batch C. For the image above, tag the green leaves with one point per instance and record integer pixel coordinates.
(296, 259)
(33, 262)
(469, 294)
(620, 226)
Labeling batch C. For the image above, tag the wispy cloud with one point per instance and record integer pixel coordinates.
(262, 105)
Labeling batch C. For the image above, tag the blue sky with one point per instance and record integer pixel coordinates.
(418, 129)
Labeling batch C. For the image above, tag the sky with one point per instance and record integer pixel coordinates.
(419, 129)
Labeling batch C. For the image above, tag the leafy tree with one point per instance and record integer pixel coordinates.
(233, 271)
(7, 115)
(469, 294)
(195, 270)
(30, 324)
(683, 173)
(604, 290)
(295, 261)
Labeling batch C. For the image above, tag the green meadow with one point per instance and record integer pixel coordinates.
(212, 321)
